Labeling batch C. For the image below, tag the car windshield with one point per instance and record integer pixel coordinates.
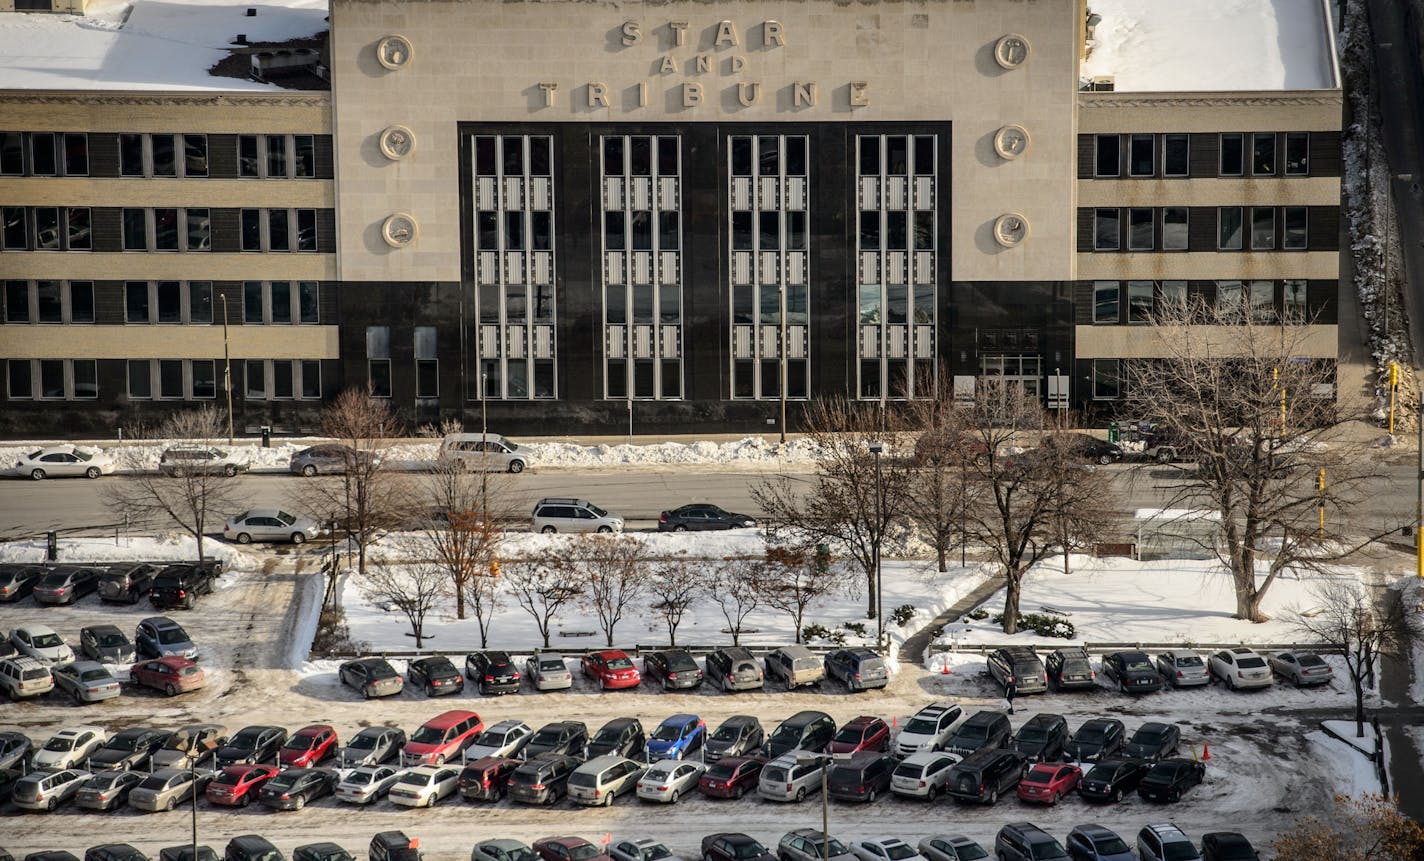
(123, 742)
(786, 734)
(1189, 661)
(899, 852)
(110, 639)
(1048, 849)
(1041, 773)
(411, 778)
(83, 455)
(57, 743)
(727, 733)
(46, 641)
(1179, 851)
(747, 850)
(55, 580)
(1102, 772)
(520, 853)
(551, 664)
(850, 735)
(190, 670)
(246, 738)
(93, 675)
(1251, 663)
(722, 771)
(227, 779)
(362, 741)
(282, 781)
(153, 783)
(969, 732)
(920, 726)
(1149, 735)
(490, 738)
(1033, 734)
(300, 742)
(359, 777)
(171, 636)
(548, 735)
(584, 852)
(1110, 846)
(1138, 664)
(1311, 661)
(656, 851)
(1091, 735)
(620, 664)
(382, 670)
(667, 732)
(428, 735)
(598, 512)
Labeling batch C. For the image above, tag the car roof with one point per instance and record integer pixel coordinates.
(25, 662)
(160, 622)
(740, 720)
(76, 730)
(313, 729)
(936, 708)
(32, 630)
(1094, 831)
(863, 720)
(679, 718)
(450, 718)
(925, 757)
(804, 717)
(502, 843)
(620, 722)
(1181, 653)
(82, 665)
(610, 654)
(102, 629)
(506, 724)
(1168, 831)
(984, 716)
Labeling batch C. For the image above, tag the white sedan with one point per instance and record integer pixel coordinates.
(366, 784)
(885, 849)
(1240, 667)
(424, 785)
(64, 461)
(68, 748)
(1302, 668)
(669, 780)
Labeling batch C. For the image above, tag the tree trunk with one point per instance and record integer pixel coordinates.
(361, 554)
(870, 593)
(1359, 706)
(198, 534)
(942, 556)
(418, 629)
(1011, 605)
(545, 632)
(459, 599)
(609, 634)
(672, 635)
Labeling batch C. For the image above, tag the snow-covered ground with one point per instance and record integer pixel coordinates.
(174, 547)
(1355, 773)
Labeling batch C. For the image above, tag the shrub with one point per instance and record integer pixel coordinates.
(1042, 624)
(332, 635)
(857, 628)
(815, 631)
(978, 614)
(903, 614)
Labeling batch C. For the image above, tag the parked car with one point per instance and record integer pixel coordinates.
(270, 525)
(1169, 779)
(1227, 846)
(734, 669)
(18, 581)
(295, 788)
(982, 777)
(1153, 741)
(424, 785)
(859, 669)
(1096, 843)
(1165, 842)
(805, 730)
(194, 744)
(1132, 672)
(677, 737)
(47, 789)
(251, 847)
(487, 778)
(1112, 778)
(1301, 668)
(308, 746)
(1096, 739)
(161, 637)
(23, 678)
(863, 777)
(64, 461)
(435, 675)
(186, 853)
(41, 643)
(669, 779)
(612, 669)
(252, 745)
(603, 778)
(165, 788)
(884, 849)
(127, 583)
(371, 677)
(620, 736)
(738, 735)
(107, 790)
(105, 644)
(1183, 668)
(330, 459)
(542, 779)
(1070, 669)
(795, 666)
(372, 745)
(238, 785)
(86, 681)
(201, 460)
(442, 738)
(180, 586)
(1041, 738)
(66, 584)
(502, 850)
(639, 849)
(483, 452)
(951, 847)
(1049, 781)
(1240, 668)
(171, 675)
(565, 738)
(494, 672)
(808, 844)
(69, 748)
(702, 517)
(394, 846)
(573, 515)
(506, 738)
(1024, 841)
(928, 729)
(548, 672)
(923, 775)
(321, 852)
(673, 669)
(731, 776)
(861, 733)
(16, 751)
(1019, 665)
(791, 776)
(1085, 447)
(128, 749)
(568, 849)
(733, 846)
(114, 852)
(984, 730)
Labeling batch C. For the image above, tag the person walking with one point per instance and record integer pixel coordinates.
(1010, 691)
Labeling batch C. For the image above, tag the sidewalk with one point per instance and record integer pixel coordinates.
(1405, 757)
(914, 647)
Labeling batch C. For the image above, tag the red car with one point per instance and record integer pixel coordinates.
(862, 733)
(172, 675)
(1049, 781)
(442, 738)
(731, 776)
(309, 745)
(612, 668)
(568, 849)
(237, 785)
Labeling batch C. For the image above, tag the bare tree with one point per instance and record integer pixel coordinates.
(415, 590)
(795, 577)
(484, 598)
(463, 528)
(541, 588)
(188, 494)
(937, 488)
(1081, 513)
(674, 585)
(846, 504)
(1368, 828)
(1363, 630)
(611, 573)
(736, 588)
(1233, 385)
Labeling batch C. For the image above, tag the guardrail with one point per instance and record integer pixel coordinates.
(1105, 648)
(759, 651)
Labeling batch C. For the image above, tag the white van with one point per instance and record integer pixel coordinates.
(483, 452)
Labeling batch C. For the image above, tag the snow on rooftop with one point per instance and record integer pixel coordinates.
(1212, 45)
(144, 44)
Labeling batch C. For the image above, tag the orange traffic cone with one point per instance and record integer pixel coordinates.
(894, 721)
(1206, 751)
(944, 669)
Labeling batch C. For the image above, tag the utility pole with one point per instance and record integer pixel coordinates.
(227, 375)
(1419, 502)
(484, 448)
(785, 371)
(876, 448)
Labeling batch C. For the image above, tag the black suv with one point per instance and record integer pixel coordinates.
(674, 668)
(542, 779)
(1020, 665)
(984, 730)
(178, 586)
(1096, 740)
(1070, 670)
(1024, 841)
(561, 737)
(805, 730)
(251, 847)
(1041, 738)
(861, 778)
(623, 736)
(494, 672)
(986, 775)
(1169, 778)
(126, 584)
(1227, 846)
(435, 675)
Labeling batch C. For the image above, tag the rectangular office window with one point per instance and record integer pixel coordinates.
(135, 230)
(1231, 300)
(255, 374)
(76, 154)
(19, 379)
(247, 163)
(1174, 297)
(165, 155)
(1176, 155)
(1140, 229)
(165, 229)
(378, 360)
(1263, 228)
(1263, 301)
(1107, 379)
(170, 379)
(1174, 228)
(282, 383)
(136, 302)
(1142, 156)
(85, 374)
(304, 160)
(1139, 301)
(46, 228)
(252, 302)
(79, 228)
(43, 161)
(311, 379)
(12, 153)
(281, 301)
(52, 379)
(308, 302)
(1105, 301)
(1233, 154)
(14, 228)
(1296, 218)
(17, 301)
(81, 301)
(1228, 219)
(195, 155)
(49, 302)
(1293, 295)
(427, 366)
(251, 230)
(1107, 229)
(1297, 153)
(140, 379)
(200, 302)
(1263, 154)
(276, 156)
(205, 383)
(279, 236)
(1107, 159)
(131, 155)
(170, 301)
(200, 231)
(306, 230)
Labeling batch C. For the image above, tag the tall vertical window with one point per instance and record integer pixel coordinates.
(1228, 221)
(1176, 152)
(1233, 154)
(1296, 218)
(1107, 379)
(1297, 153)
(1105, 301)
(1107, 155)
(378, 360)
(427, 363)
(1174, 228)
(1142, 155)
(1141, 232)
(1231, 300)
(1263, 228)
(1293, 300)
(1263, 301)
(515, 247)
(1139, 301)
(1107, 229)
(1263, 154)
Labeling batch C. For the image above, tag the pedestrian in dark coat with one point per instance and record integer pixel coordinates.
(1011, 691)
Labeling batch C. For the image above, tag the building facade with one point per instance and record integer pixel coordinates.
(575, 217)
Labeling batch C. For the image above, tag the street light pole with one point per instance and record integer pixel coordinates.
(876, 448)
(1419, 503)
(193, 783)
(227, 373)
(484, 448)
(825, 810)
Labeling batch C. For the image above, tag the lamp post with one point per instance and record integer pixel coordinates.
(193, 782)
(876, 449)
(227, 370)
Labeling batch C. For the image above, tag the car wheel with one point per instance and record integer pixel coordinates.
(440, 760)
(172, 803)
(801, 794)
(679, 528)
(604, 530)
(548, 530)
(230, 470)
(1117, 795)
(741, 790)
(244, 538)
(672, 799)
(1174, 796)
(309, 470)
(1053, 799)
(299, 538)
(1105, 459)
(92, 472)
(608, 800)
(429, 690)
(300, 802)
(516, 466)
(37, 474)
(366, 693)
(932, 794)
(1230, 684)
(244, 801)
(994, 797)
(870, 799)
(51, 804)
(170, 690)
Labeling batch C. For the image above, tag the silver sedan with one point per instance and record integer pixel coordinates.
(639, 849)
(669, 780)
(1183, 668)
(1298, 668)
(270, 524)
(86, 681)
(366, 784)
(548, 672)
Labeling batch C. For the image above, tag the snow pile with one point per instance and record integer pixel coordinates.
(174, 547)
(1354, 772)
(750, 449)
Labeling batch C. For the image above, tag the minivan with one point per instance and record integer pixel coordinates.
(543, 779)
(1020, 666)
(805, 730)
(483, 452)
(604, 778)
(734, 669)
(621, 736)
(863, 777)
(1024, 841)
(791, 776)
(984, 776)
(795, 666)
(487, 778)
(983, 730)
(442, 738)
(557, 514)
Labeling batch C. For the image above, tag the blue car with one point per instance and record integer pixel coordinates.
(677, 738)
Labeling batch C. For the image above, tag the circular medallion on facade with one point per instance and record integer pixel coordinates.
(394, 52)
(399, 229)
(1010, 229)
(1011, 141)
(1011, 51)
(397, 142)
